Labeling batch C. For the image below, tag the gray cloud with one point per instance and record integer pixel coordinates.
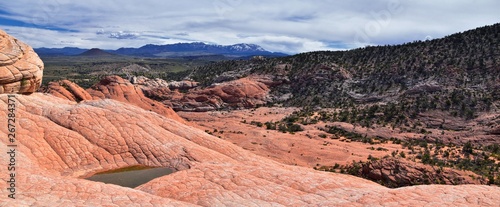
(182, 34)
(123, 35)
(285, 26)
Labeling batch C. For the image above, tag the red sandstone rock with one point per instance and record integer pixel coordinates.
(400, 172)
(21, 69)
(68, 90)
(112, 87)
(116, 88)
(242, 93)
(60, 140)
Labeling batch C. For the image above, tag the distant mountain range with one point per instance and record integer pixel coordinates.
(96, 52)
(172, 50)
(67, 51)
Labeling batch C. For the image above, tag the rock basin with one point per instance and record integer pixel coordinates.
(130, 176)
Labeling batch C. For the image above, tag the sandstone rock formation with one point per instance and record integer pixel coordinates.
(242, 93)
(399, 172)
(68, 90)
(148, 83)
(111, 87)
(184, 84)
(59, 141)
(116, 88)
(21, 69)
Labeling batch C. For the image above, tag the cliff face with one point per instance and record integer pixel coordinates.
(21, 69)
(59, 141)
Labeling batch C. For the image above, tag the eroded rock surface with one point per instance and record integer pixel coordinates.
(68, 90)
(116, 88)
(184, 84)
(111, 87)
(246, 92)
(148, 83)
(60, 141)
(21, 69)
(399, 172)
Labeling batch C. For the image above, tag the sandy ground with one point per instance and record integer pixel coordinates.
(304, 148)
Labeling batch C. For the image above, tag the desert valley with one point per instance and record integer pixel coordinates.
(416, 124)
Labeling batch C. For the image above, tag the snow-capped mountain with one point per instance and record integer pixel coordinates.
(195, 49)
(175, 50)
(246, 47)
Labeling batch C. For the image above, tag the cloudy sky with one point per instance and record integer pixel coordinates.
(288, 26)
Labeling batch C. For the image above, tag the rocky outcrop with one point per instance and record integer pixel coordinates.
(183, 85)
(111, 87)
(60, 141)
(424, 87)
(395, 172)
(248, 92)
(148, 83)
(21, 69)
(242, 93)
(68, 90)
(116, 88)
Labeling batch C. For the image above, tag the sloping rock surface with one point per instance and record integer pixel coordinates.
(400, 172)
(242, 93)
(60, 141)
(21, 69)
(68, 90)
(111, 87)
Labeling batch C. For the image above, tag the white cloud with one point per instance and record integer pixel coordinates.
(285, 26)
(124, 35)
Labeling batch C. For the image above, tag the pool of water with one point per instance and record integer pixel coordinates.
(130, 177)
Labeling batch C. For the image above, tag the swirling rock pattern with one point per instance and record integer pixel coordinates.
(60, 141)
(21, 69)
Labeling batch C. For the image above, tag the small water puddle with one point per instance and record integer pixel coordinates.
(131, 176)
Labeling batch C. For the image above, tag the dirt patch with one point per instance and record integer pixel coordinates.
(306, 148)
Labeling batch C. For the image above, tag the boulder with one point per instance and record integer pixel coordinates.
(21, 69)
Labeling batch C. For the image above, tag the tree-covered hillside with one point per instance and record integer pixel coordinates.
(459, 74)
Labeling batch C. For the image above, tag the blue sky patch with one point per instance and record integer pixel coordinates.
(5, 21)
